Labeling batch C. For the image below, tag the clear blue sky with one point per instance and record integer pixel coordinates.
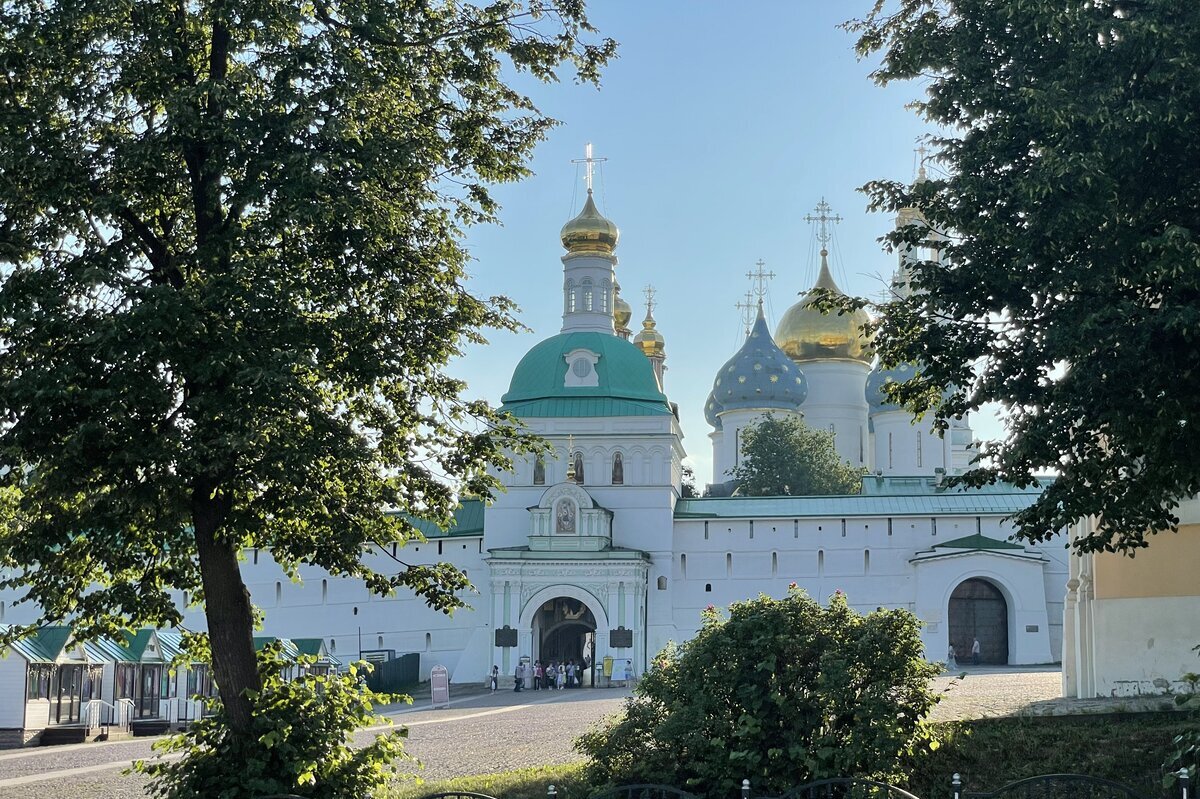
(723, 125)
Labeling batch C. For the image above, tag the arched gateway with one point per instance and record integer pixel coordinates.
(978, 610)
(564, 631)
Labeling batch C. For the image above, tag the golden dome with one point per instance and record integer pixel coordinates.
(649, 340)
(806, 334)
(590, 232)
(622, 313)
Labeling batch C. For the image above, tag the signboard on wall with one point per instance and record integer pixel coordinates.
(439, 686)
(620, 638)
(506, 636)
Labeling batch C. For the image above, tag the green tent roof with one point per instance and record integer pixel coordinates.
(977, 541)
(623, 373)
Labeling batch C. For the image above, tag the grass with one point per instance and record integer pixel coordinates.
(988, 753)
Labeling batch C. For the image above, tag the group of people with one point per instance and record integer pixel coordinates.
(540, 675)
(952, 658)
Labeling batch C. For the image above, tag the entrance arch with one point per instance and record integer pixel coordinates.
(978, 610)
(564, 621)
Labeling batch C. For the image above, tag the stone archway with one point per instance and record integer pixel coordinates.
(568, 617)
(564, 631)
(978, 609)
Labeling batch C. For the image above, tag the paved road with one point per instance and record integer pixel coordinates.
(483, 733)
(479, 734)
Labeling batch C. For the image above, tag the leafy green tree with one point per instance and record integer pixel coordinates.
(233, 273)
(782, 692)
(1068, 288)
(782, 456)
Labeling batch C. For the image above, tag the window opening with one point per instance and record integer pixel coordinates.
(618, 469)
(539, 471)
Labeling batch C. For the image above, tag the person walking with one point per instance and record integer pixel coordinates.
(538, 673)
(519, 677)
(494, 677)
(951, 660)
(975, 652)
(628, 673)
(562, 676)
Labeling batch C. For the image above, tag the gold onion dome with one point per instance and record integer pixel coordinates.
(590, 232)
(806, 334)
(649, 340)
(622, 311)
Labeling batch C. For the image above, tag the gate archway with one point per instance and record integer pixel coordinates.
(978, 609)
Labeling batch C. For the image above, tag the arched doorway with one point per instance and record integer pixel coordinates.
(564, 630)
(979, 610)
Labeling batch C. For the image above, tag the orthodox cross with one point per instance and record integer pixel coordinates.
(823, 219)
(759, 278)
(747, 308)
(649, 292)
(570, 457)
(922, 152)
(589, 164)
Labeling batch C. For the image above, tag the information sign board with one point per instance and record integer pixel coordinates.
(439, 686)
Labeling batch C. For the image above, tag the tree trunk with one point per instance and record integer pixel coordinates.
(228, 610)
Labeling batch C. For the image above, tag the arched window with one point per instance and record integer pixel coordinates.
(332, 645)
(587, 294)
(604, 296)
(683, 566)
(579, 468)
(618, 470)
(539, 471)
(662, 583)
(324, 591)
(569, 294)
(919, 453)
(428, 641)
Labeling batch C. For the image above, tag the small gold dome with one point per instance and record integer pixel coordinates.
(806, 334)
(649, 340)
(622, 313)
(590, 232)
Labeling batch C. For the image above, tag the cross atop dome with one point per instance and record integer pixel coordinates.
(823, 218)
(589, 163)
(759, 278)
(747, 309)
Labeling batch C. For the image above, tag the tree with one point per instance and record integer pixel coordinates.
(782, 692)
(687, 488)
(782, 456)
(1069, 287)
(234, 272)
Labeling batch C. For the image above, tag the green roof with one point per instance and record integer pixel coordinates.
(290, 652)
(978, 541)
(623, 372)
(468, 521)
(585, 406)
(44, 646)
(137, 641)
(940, 503)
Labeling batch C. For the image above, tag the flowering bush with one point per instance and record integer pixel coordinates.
(782, 691)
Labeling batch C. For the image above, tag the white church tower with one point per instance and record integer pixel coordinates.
(904, 445)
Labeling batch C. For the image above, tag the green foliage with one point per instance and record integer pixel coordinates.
(989, 753)
(1185, 747)
(783, 456)
(300, 742)
(233, 274)
(783, 691)
(1068, 284)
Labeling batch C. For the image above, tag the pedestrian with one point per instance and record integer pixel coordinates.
(571, 673)
(494, 677)
(951, 660)
(538, 674)
(519, 677)
(562, 676)
(628, 673)
(975, 652)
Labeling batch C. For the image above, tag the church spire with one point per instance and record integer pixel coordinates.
(589, 278)
(650, 341)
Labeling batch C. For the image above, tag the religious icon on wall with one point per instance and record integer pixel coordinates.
(565, 518)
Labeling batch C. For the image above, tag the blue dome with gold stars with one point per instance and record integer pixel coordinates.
(880, 377)
(759, 375)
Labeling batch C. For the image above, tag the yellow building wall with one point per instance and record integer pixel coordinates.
(1167, 568)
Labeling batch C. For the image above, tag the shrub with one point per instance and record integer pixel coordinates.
(301, 744)
(783, 691)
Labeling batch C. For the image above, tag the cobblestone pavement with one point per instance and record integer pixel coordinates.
(482, 733)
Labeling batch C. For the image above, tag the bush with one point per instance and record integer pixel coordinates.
(300, 743)
(783, 691)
